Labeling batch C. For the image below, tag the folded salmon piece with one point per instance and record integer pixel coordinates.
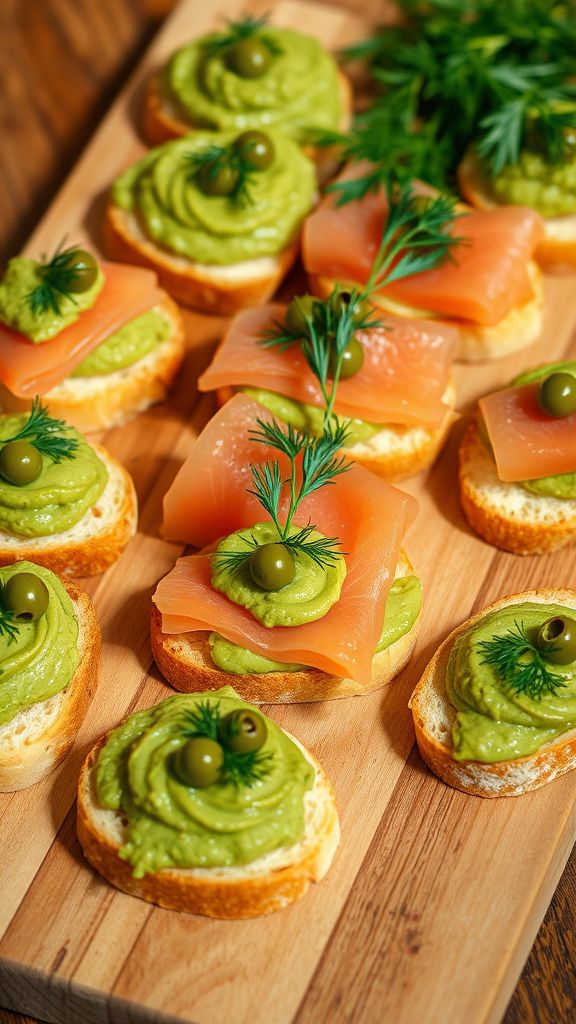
(29, 369)
(485, 277)
(402, 381)
(208, 500)
(527, 442)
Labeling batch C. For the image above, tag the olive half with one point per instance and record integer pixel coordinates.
(557, 639)
(242, 731)
(557, 394)
(301, 308)
(217, 178)
(81, 270)
(248, 58)
(198, 762)
(20, 463)
(26, 596)
(256, 149)
(352, 360)
(272, 566)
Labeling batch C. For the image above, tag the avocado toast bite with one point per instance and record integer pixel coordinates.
(294, 594)
(100, 341)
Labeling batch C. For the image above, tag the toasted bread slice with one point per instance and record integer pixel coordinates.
(434, 716)
(210, 289)
(558, 248)
(109, 400)
(39, 737)
(96, 541)
(184, 660)
(505, 514)
(476, 343)
(268, 884)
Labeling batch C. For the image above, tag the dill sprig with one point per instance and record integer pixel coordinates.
(239, 769)
(214, 159)
(8, 625)
(319, 464)
(520, 664)
(46, 434)
(57, 274)
(245, 28)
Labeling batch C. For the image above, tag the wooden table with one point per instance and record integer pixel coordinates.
(61, 62)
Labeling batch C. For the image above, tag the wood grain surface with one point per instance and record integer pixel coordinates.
(429, 872)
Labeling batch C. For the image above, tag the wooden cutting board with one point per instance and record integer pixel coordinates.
(434, 898)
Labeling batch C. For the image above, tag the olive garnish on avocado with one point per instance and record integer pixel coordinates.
(21, 455)
(248, 49)
(557, 639)
(26, 596)
(199, 762)
(221, 750)
(20, 463)
(242, 732)
(69, 272)
(228, 170)
(249, 58)
(557, 394)
(272, 567)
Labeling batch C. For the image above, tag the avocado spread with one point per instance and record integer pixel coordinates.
(562, 485)
(60, 496)
(534, 181)
(308, 597)
(127, 346)
(43, 657)
(402, 609)
(493, 721)
(21, 278)
(299, 91)
(171, 824)
(309, 418)
(162, 190)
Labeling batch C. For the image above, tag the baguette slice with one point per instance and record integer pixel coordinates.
(39, 737)
(558, 247)
(184, 660)
(505, 514)
(268, 884)
(109, 400)
(210, 289)
(93, 543)
(434, 716)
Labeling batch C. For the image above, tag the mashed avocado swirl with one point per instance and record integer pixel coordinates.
(43, 657)
(494, 722)
(174, 825)
(21, 278)
(534, 181)
(161, 189)
(298, 92)
(60, 496)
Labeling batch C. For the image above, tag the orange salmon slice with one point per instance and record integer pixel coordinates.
(528, 443)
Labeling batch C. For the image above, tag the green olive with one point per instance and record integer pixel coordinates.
(81, 270)
(301, 307)
(217, 178)
(242, 731)
(26, 596)
(272, 567)
(361, 309)
(198, 762)
(557, 394)
(249, 58)
(557, 640)
(352, 360)
(20, 463)
(256, 149)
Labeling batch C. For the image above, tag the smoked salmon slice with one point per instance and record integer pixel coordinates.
(528, 444)
(29, 369)
(485, 278)
(208, 500)
(402, 381)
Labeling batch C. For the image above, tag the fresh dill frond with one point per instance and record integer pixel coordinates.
(203, 720)
(214, 159)
(245, 28)
(57, 274)
(8, 624)
(520, 664)
(46, 434)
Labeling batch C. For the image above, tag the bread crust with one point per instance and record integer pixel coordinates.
(557, 250)
(219, 893)
(520, 530)
(505, 778)
(194, 284)
(20, 768)
(72, 555)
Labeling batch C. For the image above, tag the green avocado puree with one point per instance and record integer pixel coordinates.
(298, 92)
(43, 658)
(402, 609)
(311, 594)
(562, 485)
(127, 346)
(171, 825)
(60, 496)
(493, 722)
(534, 181)
(309, 418)
(162, 191)
(21, 278)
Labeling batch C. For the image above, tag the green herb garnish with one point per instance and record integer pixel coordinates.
(59, 277)
(239, 769)
(245, 28)
(209, 165)
(8, 625)
(520, 663)
(46, 434)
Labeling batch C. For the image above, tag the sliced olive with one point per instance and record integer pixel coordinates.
(198, 762)
(361, 309)
(20, 463)
(557, 639)
(249, 58)
(557, 394)
(217, 178)
(81, 270)
(272, 567)
(256, 149)
(242, 731)
(301, 307)
(352, 360)
(26, 596)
